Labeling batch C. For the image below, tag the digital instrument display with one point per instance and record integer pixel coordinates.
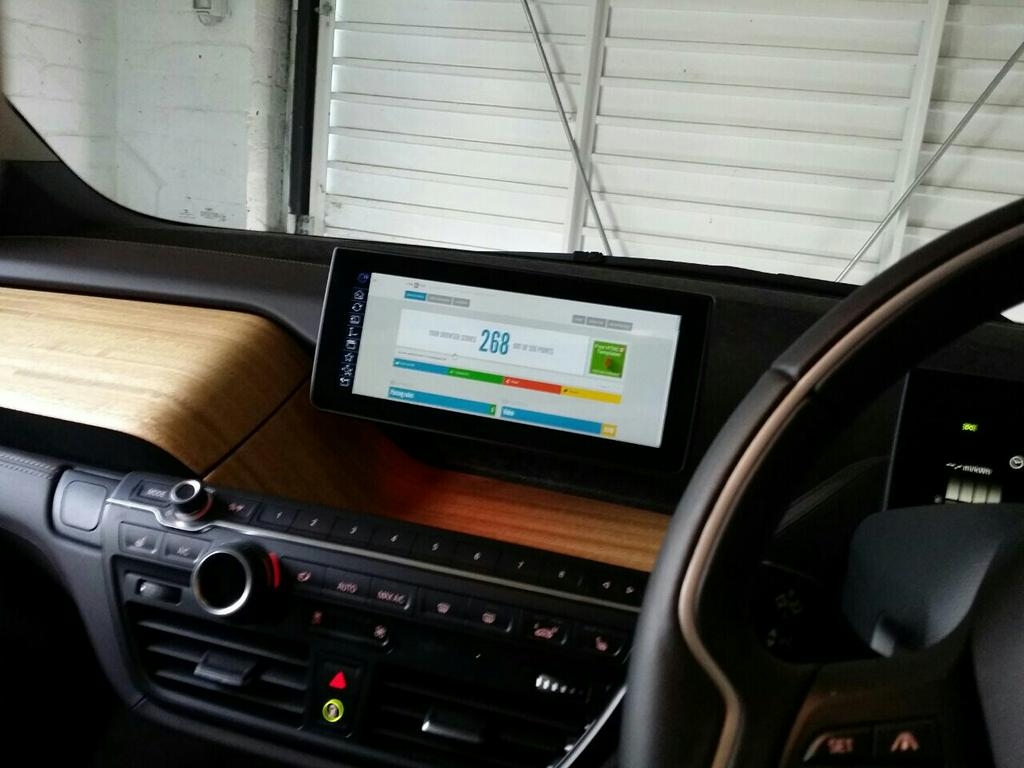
(960, 441)
(463, 349)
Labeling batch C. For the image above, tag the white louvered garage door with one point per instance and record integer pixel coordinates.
(770, 134)
(984, 168)
(441, 123)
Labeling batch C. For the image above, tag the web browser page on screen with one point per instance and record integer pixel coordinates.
(573, 366)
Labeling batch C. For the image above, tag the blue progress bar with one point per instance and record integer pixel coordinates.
(441, 401)
(416, 295)
(551, 420)
(416, 365)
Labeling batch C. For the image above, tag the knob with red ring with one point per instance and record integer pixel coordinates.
(235, 580)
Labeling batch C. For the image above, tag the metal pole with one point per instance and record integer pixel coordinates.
(565, 125)
(934, 159)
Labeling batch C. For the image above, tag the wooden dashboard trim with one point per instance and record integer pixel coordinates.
(192, 381)
(323, 458)
(226, 393)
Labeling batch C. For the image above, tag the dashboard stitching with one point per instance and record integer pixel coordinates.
(25, 470)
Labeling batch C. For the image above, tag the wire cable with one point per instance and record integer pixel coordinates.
(931, 162)
(565, 126)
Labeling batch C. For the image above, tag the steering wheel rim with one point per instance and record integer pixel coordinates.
(683, 707)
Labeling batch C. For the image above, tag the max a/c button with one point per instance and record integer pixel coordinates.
(391, 593)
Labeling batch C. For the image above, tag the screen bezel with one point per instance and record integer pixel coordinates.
(693, 310)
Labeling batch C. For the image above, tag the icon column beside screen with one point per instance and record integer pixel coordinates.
(356, 311)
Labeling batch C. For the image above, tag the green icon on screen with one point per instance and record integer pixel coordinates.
(608, 359)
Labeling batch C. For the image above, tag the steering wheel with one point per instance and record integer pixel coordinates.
(702, 691)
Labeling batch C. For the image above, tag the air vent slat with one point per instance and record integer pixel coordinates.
(285, 678)
(438, 694)
(198, 682)
(176, 651)
(516, 730)
(213, 639)
(398, 711)
(173, 648)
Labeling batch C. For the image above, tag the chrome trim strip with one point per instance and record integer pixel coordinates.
(751, 458)
(592, 730)
(382, 556)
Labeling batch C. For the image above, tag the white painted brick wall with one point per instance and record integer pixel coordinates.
(165, 115)
(267, 117)
(59, 71)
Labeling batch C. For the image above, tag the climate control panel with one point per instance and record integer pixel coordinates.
(353, 633)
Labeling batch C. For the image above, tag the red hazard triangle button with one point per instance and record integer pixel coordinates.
(338, 682)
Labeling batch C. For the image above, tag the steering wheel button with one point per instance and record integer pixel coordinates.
(848, 746)
(906, 743)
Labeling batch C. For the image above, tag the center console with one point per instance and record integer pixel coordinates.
(350, 634)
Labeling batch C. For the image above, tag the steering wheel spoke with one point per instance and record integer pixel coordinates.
(949, 695)
(920, 709)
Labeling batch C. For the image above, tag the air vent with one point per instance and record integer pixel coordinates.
(460, 724)
(226, 667)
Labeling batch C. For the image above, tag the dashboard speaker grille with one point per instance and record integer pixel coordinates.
(225, 667)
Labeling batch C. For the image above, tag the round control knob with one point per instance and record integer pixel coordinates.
(230, 580)
(190, 500)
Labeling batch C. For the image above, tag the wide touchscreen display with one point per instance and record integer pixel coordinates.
(570, 361)
(590, 369)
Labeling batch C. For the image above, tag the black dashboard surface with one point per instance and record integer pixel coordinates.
(104, 250)
(58, 234)
(753, 319)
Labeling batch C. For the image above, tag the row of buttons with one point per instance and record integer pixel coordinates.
(566, 574)
(356, 588)
(477, 556)
(175, 549)
(549, 630)
(893, 744)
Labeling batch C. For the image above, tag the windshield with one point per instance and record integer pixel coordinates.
(772, 135)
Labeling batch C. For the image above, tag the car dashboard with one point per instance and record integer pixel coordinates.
(312, 585)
